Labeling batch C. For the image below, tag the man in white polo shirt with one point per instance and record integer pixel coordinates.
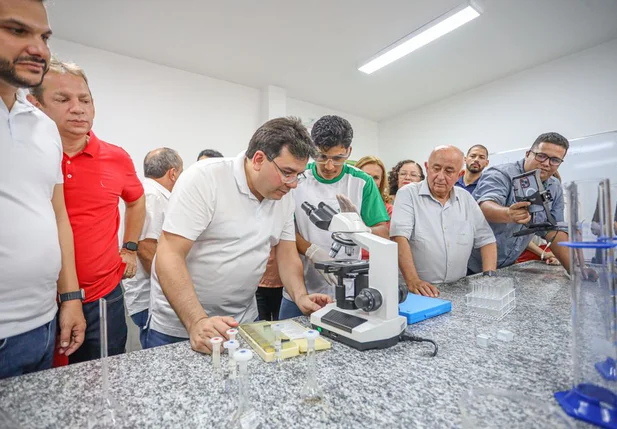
(36, 241)
(436, 226)
(162, 167)
(224, 216)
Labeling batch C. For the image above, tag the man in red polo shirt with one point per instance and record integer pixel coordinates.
(96, 175)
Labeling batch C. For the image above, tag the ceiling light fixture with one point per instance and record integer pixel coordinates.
(424, 35)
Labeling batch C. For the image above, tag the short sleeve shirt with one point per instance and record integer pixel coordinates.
(359, 187)
(137, 289)
(441, 237)
(495, 185)
(233, 233)
(30, 258)
(94, 182)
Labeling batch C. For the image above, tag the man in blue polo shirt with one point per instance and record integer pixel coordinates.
(506, 216)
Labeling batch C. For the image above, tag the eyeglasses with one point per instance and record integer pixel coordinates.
(541, 157)
(322, 158)
(288, 178)
(408, 174)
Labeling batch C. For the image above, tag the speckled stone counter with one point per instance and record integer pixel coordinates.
(172, 387)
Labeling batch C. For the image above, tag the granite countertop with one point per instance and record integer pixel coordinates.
(173, 387)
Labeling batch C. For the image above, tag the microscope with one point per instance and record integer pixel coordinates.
(528, 187)
(365, 314)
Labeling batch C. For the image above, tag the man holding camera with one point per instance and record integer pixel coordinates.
(506, 216)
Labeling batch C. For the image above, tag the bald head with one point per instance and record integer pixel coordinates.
(448, 152)
(443, 167)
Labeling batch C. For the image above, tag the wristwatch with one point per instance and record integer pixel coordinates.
(130, 245)
(69, 296)
(489, 273)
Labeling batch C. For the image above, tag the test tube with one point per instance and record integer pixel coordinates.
(277, 328)
(231, 333)
(108, 412)
(104, 352)
(216, 352)
(311, 390)
(245, 416)
(231, 346)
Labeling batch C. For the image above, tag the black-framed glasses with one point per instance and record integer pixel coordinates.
(322, 158)
(541, 157)
(288, 178)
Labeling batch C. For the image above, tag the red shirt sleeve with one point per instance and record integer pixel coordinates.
(132, 189)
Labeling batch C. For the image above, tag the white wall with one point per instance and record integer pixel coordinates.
(366, 132)
(574, 95)
(141, 106)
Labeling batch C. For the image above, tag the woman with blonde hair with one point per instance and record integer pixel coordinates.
(375, 168)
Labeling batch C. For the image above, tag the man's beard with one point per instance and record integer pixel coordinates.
(9, 75)
(474, 169)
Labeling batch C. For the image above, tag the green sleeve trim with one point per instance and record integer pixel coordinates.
(373, 209)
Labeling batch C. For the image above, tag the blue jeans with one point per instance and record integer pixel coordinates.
(116, 328)
(141, 320)
(289, 309)
(28, 352)
(155, 339)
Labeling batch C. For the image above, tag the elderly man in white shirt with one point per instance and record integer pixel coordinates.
(224, 216)
(436, 225)
(162, 167)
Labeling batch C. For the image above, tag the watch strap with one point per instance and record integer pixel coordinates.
(130, 245)
(69, 296)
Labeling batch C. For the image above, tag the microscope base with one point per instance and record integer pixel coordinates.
(358, 329)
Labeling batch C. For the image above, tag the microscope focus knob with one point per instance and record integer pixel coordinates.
(402, 293)
(369, 299)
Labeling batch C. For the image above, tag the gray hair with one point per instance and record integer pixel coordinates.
(59, 67)
(159, 161)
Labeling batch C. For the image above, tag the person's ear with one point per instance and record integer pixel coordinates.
(426, 165)
(258, 160)
(350, 150)
(32, 99)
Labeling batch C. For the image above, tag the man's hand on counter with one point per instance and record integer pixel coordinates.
(313, 302)
(420, 287)
(209, 327)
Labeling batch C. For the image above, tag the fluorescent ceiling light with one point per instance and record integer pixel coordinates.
(422, 36)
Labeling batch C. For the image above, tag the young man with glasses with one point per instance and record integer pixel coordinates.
(495, 196)
(223, 218)
(341, 186)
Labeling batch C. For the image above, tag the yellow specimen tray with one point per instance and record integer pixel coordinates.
(260, 337)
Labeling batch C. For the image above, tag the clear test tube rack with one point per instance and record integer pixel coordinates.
(491, 297)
